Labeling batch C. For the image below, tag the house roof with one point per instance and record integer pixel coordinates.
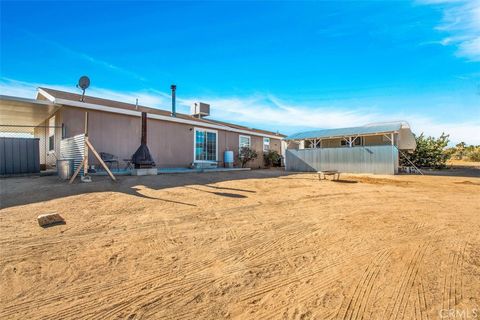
(18, 111)
(64, 97)
(352, 131)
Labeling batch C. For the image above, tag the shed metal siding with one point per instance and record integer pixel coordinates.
(73, 149)
(372, 159)
(19, 155)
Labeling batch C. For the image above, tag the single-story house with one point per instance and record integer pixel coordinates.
(174, 139)
(372, 148)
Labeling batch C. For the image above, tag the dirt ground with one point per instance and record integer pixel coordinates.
(249, 245)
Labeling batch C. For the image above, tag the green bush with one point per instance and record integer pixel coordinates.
(430, 152)
(272, 158)
(246, 155)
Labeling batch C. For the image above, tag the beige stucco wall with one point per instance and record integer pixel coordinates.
(171, 144)
(375, 141)
(49, 158)
(331, 143)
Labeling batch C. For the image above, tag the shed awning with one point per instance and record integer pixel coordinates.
(25, 112)
(348, 132)
(406, 139)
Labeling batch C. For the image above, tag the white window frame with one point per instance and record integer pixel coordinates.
(240, 136)
(51, 133)
(264, 144)
(195, 141)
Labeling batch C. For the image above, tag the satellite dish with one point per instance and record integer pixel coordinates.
(83, 83)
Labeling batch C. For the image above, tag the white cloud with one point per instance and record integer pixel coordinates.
(24, 89)
(83, 56)
(262, 111)
(269, 112)
(461, 26)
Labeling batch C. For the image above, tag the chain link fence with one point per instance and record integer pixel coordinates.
(48, 138)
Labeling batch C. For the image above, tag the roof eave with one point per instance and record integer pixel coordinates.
(98, 107)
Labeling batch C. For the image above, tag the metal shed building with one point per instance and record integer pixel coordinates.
(373, 148)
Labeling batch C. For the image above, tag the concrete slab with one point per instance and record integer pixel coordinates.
(144, 172)
(188, 170)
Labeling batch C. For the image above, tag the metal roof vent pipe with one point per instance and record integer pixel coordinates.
(174, 107)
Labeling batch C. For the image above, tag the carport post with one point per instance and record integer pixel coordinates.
(400, 152)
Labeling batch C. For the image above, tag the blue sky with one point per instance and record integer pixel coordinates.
(284, 66)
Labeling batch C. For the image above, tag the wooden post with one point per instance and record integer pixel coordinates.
(77, 171)
(95, 153)
(84, 163)
(85, 168)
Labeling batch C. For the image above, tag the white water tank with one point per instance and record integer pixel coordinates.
(228, 159)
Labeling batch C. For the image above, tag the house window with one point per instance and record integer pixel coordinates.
(244, 141)
(205, 145)
(51, 134)
(266, 144)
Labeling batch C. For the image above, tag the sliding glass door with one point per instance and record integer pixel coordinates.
(205, 145)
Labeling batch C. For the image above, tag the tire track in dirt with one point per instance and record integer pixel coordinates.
(278, 283)
(298, 277)
(327, 274)
(275, 246)
(268, 248)
(29, 243)
(354, 308)
(125, 304)
(422, 300)
(453, 279)
(91, 290)
(407, 280)
(160, 290)
(84, 290)
(265, 246)
(111, 290)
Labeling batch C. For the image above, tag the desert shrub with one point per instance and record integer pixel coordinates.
(246, 155)
(459, 151)
(473, 153)
(430, 152)
(462, 151)
(272, 158)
